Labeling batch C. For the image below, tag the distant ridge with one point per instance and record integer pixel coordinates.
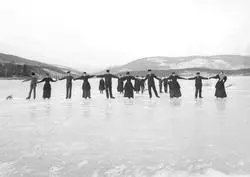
(233, 64)
(14, 66)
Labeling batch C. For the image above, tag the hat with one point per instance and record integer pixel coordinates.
(68, 72)
(127, 73)
(149, 70)
(107, 70)
(198, 73)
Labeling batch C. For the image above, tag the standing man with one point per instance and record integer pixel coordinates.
(69, 79)
(151, 83)
(108, 83)
(33, 84)
(198, 84)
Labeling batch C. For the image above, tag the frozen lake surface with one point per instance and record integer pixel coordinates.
(125, 138)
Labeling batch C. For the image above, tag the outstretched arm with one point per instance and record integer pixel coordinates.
(102, 75)
(91, 76)
(192, 78)
(41, 81)
(145, 78)
(179, 77)
(53, 80)
(205, 78)
(157, 78)
(26, 80)
(123, 78)
(78, 78)
(214, 77)
(62, 78)
(114, 76)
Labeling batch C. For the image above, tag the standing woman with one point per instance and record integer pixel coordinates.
(101, 85)
(220, 91)
(120, 85)
(174, 86)
(128, 87)
(47, 86)
(85, 86)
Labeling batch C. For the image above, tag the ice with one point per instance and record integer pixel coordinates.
(132, 138)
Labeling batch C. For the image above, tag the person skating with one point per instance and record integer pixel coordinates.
(68, 79)
(151, 83)
(120, 86)
(101, 85)
(220, 91)
(47, 86)
(108, 83)
(85, 85)
(174, 86)
(198, 84)
(33, 83)
(128, 87)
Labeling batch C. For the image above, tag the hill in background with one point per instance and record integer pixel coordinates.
(231, 64)
(14, 66)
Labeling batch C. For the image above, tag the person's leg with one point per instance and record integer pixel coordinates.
(155, 91)
(34, 93)
(89, 96)
(110, 91)
(70, 91)
(30, 92)
(107, 91)
(196, 92)
(49, 93)
(200, 92)
(149, 91)
(67, 91)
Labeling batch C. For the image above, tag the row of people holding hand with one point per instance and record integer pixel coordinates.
(128, 88)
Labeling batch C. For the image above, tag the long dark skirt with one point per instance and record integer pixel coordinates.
(120, 86)
(175, 93)
(86, 93)
(129, 90)
(220, 93)
(46, 92)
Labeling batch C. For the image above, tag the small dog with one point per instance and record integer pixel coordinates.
(9, 97)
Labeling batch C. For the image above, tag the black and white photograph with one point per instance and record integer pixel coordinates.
(125, 88)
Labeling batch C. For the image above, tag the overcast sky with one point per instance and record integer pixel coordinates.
(100, 33)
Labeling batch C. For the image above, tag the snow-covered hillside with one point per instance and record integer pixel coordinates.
(225, 62)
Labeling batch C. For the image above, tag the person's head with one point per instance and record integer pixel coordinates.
(33, 74)
(108, 71)
(127, 73)
(47, 75)
(222, 74)
(68, 73)
(173, 74)
(149, 71)
(84, 73)
(198, 74)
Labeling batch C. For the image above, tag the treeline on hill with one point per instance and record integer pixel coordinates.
(191, 71)
(23, 70)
